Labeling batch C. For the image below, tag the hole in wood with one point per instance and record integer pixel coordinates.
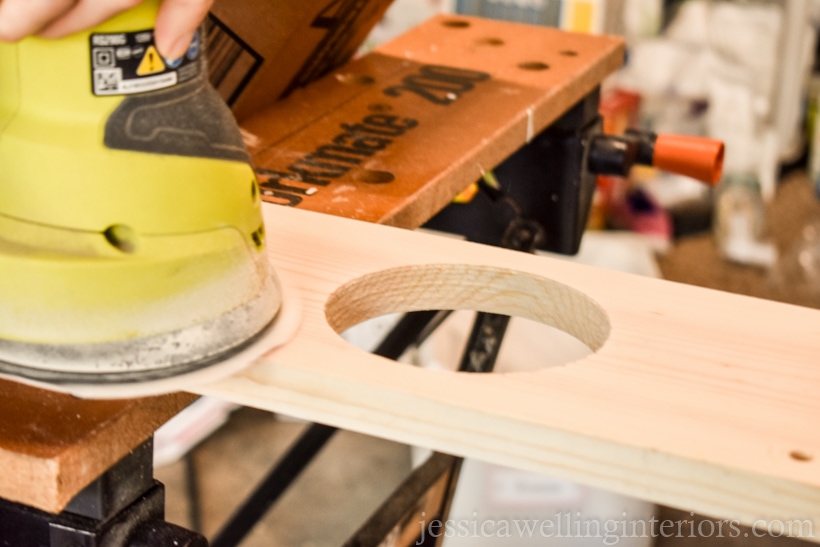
(372, 176)
(525, 346)
(582, 322)
(490, 42)
(800, 456)
(456, 23)
(533, 65)
(355, 79)
(568, 53)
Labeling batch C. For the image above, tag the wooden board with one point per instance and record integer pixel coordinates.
(699, 399)
(52, 445)
(393, 136)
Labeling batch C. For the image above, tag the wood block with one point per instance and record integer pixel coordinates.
(393, 136)
(52, 445)
(698, 399)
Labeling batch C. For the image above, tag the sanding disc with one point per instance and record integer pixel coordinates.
(111, 386)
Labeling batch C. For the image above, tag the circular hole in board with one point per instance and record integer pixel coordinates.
(373, 176)
(456, 23)
(568, 53)
(545, 312)
(490, 41)
(533, 65)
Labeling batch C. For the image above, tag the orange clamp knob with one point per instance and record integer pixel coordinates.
(696, 157)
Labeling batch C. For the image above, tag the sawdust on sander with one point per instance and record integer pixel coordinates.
(280, 331)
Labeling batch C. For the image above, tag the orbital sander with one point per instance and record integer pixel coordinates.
(132, 246)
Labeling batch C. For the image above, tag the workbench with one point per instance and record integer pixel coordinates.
(693, 398)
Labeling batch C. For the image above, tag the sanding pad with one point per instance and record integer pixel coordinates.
(278, 332)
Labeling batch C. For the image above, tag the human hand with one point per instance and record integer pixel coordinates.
(177, 20)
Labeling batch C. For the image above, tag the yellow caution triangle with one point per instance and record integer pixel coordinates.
(151, 63)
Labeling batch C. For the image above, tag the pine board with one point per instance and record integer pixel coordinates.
(698, 399)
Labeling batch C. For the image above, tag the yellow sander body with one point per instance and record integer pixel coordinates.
(131, 238)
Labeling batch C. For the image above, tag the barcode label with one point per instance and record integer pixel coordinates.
(232, 63)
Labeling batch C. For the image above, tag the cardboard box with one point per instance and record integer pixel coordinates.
(261, 50)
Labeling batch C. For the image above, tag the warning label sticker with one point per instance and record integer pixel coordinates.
(128, 62)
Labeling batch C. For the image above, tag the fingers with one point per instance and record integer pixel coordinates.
(176, 23)
(85, 14)
(21, 18)
(177, 20)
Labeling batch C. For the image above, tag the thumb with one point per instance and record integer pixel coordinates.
(176, 24)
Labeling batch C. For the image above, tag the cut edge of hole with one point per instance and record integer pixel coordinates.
(469, 287)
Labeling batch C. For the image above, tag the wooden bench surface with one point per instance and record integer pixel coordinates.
(433, 109)
(52, 444)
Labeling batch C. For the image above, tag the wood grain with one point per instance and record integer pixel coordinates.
(694, 398)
